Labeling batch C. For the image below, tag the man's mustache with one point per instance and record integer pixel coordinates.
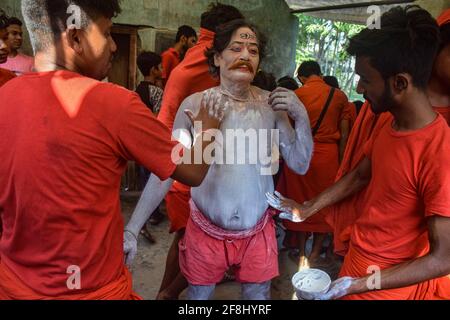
(239, 64)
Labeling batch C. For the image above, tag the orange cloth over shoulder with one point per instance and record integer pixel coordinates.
(325, 160)
(191, 76)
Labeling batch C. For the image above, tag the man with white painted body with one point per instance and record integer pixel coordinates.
(230, 223)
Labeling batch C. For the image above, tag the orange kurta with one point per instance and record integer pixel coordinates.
(191, 76)
(325, 160)
(5, 76)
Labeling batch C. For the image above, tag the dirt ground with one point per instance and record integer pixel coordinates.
(148, 268)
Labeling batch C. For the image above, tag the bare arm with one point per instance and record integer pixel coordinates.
(296, 145)
(348, 185)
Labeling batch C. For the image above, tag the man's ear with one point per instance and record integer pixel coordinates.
(216, 60)
(401, 82)
(74, 39)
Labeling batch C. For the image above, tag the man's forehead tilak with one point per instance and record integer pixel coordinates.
(247, 36)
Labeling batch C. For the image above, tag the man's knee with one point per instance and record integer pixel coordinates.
(200, 292)
(256, 291)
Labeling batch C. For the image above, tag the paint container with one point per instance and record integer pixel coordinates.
(310, 283)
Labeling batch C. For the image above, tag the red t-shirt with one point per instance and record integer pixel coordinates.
(170, 59)
(410, 182)
(5, 76)
(65, 144)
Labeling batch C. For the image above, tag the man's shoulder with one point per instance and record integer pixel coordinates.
(260, 94)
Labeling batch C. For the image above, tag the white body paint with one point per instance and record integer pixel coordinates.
(232, 196)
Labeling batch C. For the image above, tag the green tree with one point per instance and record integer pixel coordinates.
(325, 41)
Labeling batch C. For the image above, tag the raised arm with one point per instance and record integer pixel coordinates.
(296, 145)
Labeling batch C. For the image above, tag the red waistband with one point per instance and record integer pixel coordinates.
(222, 234)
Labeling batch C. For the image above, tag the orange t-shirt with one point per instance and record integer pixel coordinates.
(170, 59)
(313, 97)
(5, 76)
(65, 144)
(410, 182)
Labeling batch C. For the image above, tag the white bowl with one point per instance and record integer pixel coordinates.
(310, 283)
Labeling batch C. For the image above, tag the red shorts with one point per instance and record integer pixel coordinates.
(177, 206)
(204, 259)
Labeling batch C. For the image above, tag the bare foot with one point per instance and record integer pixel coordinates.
(147, 235)
(165, 295)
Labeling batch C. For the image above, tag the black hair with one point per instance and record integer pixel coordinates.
(223, 37)
(309, 68)
(218, 14)
(288, 83)
(3, 20)
(332, 81)
(186, 31)
(407, 42)
(47, 19)
(146, 61)
(265, 81)
(15, 21)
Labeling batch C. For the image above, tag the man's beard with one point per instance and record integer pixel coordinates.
(384, 103)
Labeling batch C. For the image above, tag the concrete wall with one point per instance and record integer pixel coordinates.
(271, 16)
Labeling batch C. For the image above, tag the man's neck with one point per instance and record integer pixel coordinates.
(239, 90)
(13, 54)
(438, 93)
(48, 61)
(178, 47)
(414, 114)
(150, 79)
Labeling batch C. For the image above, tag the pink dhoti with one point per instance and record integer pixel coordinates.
(208, 251)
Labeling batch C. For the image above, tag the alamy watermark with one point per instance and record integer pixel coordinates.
(374, 20)
(374, 281)
(231, 147)
(74, 20)
(74, 280)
